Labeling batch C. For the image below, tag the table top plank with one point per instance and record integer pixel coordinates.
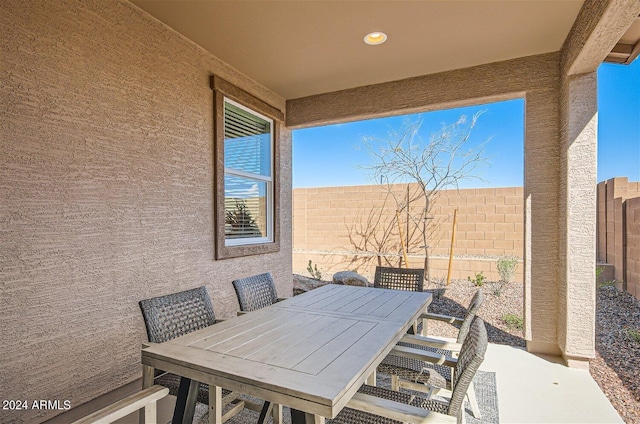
(272, 341)
(361, 302)
(403, 302)
(250, 337)
(318, 298)
(381, 298)
(222, 329)
(316, 361)
(342, 299)
(314, 337)
(328, 299)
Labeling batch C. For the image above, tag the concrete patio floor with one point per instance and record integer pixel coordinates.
(540, 389)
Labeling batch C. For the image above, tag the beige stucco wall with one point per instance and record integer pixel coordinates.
(341, 228)
(106, 193)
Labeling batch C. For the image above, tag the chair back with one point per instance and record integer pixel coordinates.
(471, 356)
(472, 310)
(255, 292)
(411, 279)
(173, 315)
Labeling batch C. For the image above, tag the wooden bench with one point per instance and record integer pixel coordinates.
(146, 399)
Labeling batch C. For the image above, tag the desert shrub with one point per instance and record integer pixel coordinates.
(633, 334)
(478, 280)
(507, 266)
(314, 271)
(513, 321)
(496, 288)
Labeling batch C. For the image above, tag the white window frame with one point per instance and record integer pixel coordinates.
(267, 179)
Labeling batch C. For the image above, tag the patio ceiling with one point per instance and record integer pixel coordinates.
(301, 48)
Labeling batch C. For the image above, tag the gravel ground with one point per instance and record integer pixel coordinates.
(499, 300)
(616, 367)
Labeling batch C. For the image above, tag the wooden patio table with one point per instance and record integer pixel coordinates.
(310, 352)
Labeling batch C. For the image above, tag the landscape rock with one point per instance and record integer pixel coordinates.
(302, 284)
(350, 278)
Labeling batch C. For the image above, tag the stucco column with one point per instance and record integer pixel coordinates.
(576, 290)
(541, 237)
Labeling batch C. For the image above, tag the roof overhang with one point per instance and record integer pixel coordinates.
(628, 48)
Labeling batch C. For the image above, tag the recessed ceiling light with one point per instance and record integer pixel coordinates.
(375, 38)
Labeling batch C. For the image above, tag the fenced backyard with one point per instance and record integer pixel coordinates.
(357, 227)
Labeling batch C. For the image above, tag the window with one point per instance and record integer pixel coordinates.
(246, 162)
(248, 182)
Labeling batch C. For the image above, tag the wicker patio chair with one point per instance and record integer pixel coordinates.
(465, 323)
(256, 292)
(366, 408)
(170, 316)
(411, 279)
(414, 373)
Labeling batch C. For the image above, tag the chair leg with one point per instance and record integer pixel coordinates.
(395, 382)
(473, 402)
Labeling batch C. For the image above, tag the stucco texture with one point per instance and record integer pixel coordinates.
(106, 193)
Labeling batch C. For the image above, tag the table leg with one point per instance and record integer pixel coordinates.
(215, 404)
(371, 380)
(301, 417)
(186, 401)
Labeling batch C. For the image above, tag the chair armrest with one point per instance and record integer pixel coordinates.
(439, 317)
(431, 342)
(424, 355)
(126, 406)
(396, 410)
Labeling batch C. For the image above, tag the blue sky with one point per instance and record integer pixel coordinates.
(334, 155)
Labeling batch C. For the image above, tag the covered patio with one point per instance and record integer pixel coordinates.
(112, 174)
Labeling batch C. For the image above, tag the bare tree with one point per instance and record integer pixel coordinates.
(441, 162)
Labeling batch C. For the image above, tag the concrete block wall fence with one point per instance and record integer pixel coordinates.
(329, 224)
(618, 243)
(341, 228)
